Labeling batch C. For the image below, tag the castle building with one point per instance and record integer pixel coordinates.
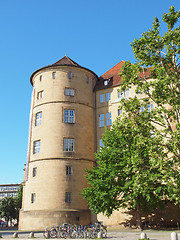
(61, 146)
(70, 107)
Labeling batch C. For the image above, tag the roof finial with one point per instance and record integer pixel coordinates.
(65, 54)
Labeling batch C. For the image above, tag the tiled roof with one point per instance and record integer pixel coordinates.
(66, 61)
(112, 75)
(113, 78)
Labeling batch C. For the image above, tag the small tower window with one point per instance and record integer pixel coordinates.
(36, 146)
(38, 118)
(40, 95)
(68, 170)
(69, 92)
(34, 172)
(54, 75)
(87, 79)
(69, 75)
(68, 197)
(33, 197)
(40, 78)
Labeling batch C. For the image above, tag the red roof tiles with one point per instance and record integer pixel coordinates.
(113, 78)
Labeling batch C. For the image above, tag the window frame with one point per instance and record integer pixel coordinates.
(68, 197)
(33, 197)
(36, 146)
(34, 172)
(68, 116)
(108, 119)
(101, 120)
(38, 118)
(108, 97)
(102, 98)
(68, 144)
(68, 170)
(40, 94)
(70, 75)
(69, 91)
(53, 75)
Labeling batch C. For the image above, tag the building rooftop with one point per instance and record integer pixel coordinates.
(66, 61)
(112, 78)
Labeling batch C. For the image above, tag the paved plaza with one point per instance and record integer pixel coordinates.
(112, 235)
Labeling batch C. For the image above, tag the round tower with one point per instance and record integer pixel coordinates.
(61, 146)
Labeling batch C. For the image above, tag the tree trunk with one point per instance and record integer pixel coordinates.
(139, 222)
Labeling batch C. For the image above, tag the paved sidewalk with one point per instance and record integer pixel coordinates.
(112, 235)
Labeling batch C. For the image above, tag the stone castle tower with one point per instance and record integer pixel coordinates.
(61, 146)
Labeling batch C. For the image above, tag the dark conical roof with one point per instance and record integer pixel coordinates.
(66, 61)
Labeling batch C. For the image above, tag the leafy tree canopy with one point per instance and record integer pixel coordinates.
(156, 75)
(132, 169)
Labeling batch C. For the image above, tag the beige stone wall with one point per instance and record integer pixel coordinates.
(111, 106)
(51, 182)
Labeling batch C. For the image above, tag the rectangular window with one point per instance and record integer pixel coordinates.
(120, 112)
(69, 91)
(141, 109)
(102, 98)
(40, 78)
(34, 172)
(120, 94)
(40, 95)
(108, 119)
(105, 82)
(101, 143)
(68, 170)
(33, 197)
(69, 116)
(126, 93)
(68, 197)
(101, 120)
(150, 107)
(108, 97)
(54, 75)
(36, 146)
(38, 118)
(68, 145)
(69, 75)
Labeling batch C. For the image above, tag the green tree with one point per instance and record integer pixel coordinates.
(10, 206)
(7, 209)
(156, 74)
(131, 171)
(138, 166)
(18, 201)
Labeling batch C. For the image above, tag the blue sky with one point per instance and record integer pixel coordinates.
(96, 34)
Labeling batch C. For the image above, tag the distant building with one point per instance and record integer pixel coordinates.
(8, 190)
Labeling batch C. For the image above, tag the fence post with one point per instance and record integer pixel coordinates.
(143, 235)
(174, 236)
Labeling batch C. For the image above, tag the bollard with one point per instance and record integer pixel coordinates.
(174, 236)
(100, 235)
(31, 235)
(15, 235)
(143, 235)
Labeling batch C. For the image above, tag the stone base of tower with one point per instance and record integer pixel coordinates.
(39, 220)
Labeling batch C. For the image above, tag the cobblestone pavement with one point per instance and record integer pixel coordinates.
(112, 235)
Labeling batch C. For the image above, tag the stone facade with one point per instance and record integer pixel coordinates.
(62, 146)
